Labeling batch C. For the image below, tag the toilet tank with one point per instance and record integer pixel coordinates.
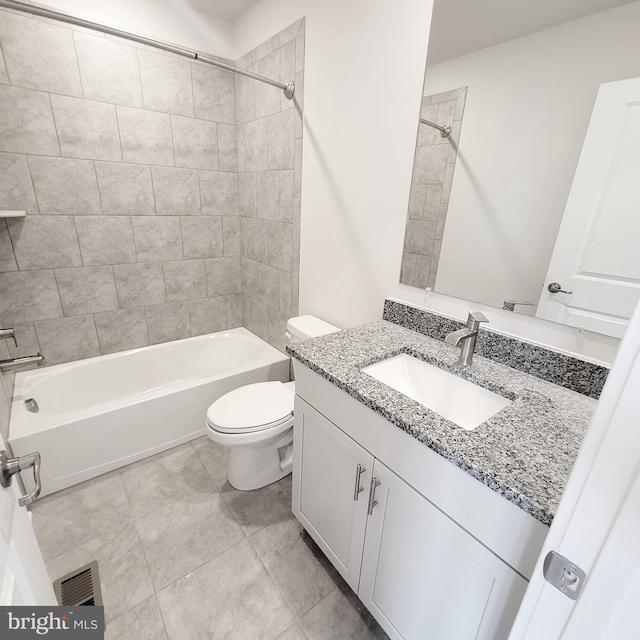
(302, 327)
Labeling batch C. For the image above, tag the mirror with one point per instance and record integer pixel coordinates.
(517, 83)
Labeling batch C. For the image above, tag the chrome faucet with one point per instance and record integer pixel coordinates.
(17, 363)
(467, 335)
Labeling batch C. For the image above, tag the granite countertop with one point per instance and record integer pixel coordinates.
(525, 452)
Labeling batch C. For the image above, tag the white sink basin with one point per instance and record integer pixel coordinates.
(455, 399)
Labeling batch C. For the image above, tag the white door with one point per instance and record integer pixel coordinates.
(23, 575)
(423, 576)
(596, 255)
(597, 524)
(331, 477)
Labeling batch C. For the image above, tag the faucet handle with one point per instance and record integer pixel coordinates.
(477, 316)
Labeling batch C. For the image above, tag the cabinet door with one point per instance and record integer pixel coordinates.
(327, 464)
(423, 576)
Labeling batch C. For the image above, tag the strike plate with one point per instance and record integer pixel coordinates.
(563, 575)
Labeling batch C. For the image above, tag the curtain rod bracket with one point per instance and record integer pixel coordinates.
(289, 89)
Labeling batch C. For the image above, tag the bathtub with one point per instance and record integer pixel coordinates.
(102, 413)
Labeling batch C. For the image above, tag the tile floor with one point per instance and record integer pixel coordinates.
(183, 555)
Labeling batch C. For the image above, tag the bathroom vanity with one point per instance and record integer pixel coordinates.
(435, 527)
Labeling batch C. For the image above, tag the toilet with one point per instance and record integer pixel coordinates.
(256, 421)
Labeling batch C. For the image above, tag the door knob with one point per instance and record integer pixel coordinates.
(556, 287)
(10, 466)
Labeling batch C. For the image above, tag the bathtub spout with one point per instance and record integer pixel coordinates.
(26, 361)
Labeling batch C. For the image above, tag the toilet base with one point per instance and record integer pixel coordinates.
(252, 468)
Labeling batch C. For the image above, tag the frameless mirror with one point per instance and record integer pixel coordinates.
(529, 90)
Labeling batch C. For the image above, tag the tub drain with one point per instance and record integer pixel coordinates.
(80, 588)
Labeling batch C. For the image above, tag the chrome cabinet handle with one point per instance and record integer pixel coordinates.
(10, 466)
(372, 494)
(357, 490)
(556, 287)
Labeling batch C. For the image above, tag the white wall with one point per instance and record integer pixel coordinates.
(364, 67)
(528, 106)
(169, 20)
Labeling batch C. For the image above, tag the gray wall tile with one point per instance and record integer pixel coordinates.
(177, 191)
(28, 295)
(268, 195)
(295, 274)
(297, 169)
(67, 339)
(16, 187)
(109, 70)
(223, 276)
(267, 97)
(158, 238)
(145, 136)
(202, 237)
(166, 83)
(44, 242)
(105, 240)
(185, 280)
(208, 315)
(39, 55)
(139, 284)
(297, 213)
(227, 147)
(245, 99)
(247, 196)
(52, 178)
(26, 122)
(287, 71)
(253, 234)
(219, 193)
(7, 256)
(195, 143)
(231, 236)
(234, 310)
(168, 322)
(256, 317)
(86, 129)
(281, 136)
(268, 285)
(277, 326)
(252, 146)
(280, 245)
(125, 189)
(86, 290)
(213, 93)
(4, 76)
(121, 330)
(285, 292)
(249, 270)
(286, 196)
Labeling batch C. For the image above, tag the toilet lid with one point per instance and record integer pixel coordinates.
(253, 407)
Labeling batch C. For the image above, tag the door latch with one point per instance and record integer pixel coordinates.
(10, 466)
(563, 575)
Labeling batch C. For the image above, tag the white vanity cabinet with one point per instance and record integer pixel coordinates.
(418, 571)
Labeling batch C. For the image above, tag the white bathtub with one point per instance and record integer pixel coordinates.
(106, 412)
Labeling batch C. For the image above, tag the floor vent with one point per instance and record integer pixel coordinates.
(80, 588)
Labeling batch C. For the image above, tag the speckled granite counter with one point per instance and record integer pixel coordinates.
(525, 452)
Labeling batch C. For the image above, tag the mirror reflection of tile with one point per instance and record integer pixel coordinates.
(433, 168)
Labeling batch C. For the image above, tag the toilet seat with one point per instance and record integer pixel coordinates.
(252, 408)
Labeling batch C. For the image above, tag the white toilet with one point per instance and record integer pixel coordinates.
(256, 421)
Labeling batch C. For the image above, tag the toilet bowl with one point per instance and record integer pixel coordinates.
(256, 421)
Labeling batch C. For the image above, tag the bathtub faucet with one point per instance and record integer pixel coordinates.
(18, 363)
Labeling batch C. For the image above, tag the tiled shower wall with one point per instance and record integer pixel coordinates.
(126, 160)
(269, 168)
(433, 169)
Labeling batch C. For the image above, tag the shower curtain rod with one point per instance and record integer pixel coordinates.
(289, 87)
(444, 131)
